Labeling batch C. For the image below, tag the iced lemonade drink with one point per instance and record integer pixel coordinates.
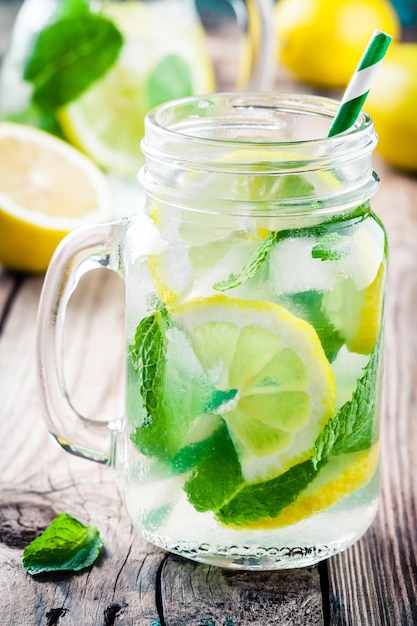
(255, 284)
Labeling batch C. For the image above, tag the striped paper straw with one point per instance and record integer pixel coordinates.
(360, 83)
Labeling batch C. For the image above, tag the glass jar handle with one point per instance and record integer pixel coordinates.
(257, 58)
(85, 249)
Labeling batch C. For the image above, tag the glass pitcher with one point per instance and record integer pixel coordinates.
(89, 70)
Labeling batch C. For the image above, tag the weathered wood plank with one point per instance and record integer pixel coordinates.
(196, 594)
(375, 582)
(121, 584)
(133, 581)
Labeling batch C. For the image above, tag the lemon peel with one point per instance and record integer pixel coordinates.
(47, 189)
(321, 42)
(285, 388)
(340, 478)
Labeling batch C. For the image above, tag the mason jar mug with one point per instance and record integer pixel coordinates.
(254, 282)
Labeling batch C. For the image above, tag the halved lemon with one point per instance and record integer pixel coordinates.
(271, 381)
(47, 188)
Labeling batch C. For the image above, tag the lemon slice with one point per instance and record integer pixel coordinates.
(107, 121)
(360, 327)
(341, 477)
(47, 188)
(272, 383)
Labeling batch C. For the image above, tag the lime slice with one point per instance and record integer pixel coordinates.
(340, 477)
(158, 61)
(271, 381)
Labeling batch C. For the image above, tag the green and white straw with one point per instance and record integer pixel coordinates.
(360, 83)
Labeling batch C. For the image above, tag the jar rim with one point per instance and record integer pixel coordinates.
(174, 124)
(223, 148)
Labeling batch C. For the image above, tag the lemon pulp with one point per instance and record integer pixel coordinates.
(272, 383)
(47, 188)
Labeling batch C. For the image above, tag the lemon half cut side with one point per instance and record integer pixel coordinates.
(47, 188)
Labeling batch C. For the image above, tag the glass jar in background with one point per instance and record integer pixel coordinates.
(89, 70)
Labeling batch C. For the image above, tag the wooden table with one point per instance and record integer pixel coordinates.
(374, 583)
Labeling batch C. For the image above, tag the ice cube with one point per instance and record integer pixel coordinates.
(293, 269)
(366, 254)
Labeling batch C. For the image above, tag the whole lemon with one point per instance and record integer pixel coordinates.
(392, 102)
(322, 41)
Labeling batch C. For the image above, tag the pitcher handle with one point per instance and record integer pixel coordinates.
(87, 248)
(257, 58)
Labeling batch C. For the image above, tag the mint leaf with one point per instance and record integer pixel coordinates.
(66, 544)
(353, 427)
(190, 455)
(170, 79)
(73, 7)
(226, 493)
(267, 499)
(69, 55)
(308, 306)
(147, 355)
(323, 230)
(167, 395)
(331, 247)
(257, 260)
(235, 502)
(217, 477)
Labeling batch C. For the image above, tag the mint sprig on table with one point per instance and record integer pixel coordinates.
(70, 54)
(65, 545)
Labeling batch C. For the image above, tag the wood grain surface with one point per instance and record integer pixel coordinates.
(374, 583)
